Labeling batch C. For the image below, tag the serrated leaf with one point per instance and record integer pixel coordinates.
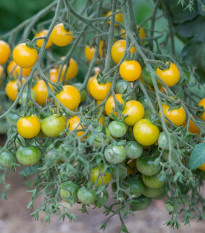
(197, 157)
(29, 171)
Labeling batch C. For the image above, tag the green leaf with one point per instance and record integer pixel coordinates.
(197, 157)
(28, 171)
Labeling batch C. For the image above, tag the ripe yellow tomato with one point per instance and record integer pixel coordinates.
(176, 116)
(130, 70)
(60, 36)
(89, 82)
(4, 52)
(53, 75)
(12, 89)
(41, 92)
(202, 103)
(25, 56)
(202, 167)
(110, 104)
(74, 123)
(71, 71)
(118, 50)
(193, 128)
(142, 33)
(118, 18)
(15, 70)
(28, 127)
(39, 42)
(97, 175)
(69, 97)
(145, 132)
(170, 76)
(89, 51)
(99, 91)
(134, 111)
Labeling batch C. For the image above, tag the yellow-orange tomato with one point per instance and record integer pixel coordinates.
(130, 70)
(142, 33)
(202, 167)
(53, 75)
(99, 91)
(15, 70)
(12, 89)
(176, 116)
(170, 76)
(4, 52)
(69, 97)
(145, 132)
(25, 56)
(41, 92)
(28, 127)
(60, 36)
(89, 82)
(39, 42)
(71, 71)
(134, 111)
(202, 103)
(101, 120)
(89, 51)
(110, 104)
(118, 50)
(193, 128)
(74, 124)
(118, 18)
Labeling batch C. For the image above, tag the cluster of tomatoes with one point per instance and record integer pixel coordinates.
(95, 133)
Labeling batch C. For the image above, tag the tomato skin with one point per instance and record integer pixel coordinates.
(53, 75)
(145, 132)
(69, 97)
(202, 167)
(130, 70)
(134, 111)
(170, 76)
(115, 154)
(53, 125)
(104, 177)
(74, 124)
(89, 51)
(118, 18)
(71, 72)
(60, 36)
(39, 42)
(131, 166)
(86, 196)
(25, 56)
(6, 160)
(202, 103)
(140, 203)
(134, 186)
(97, 140)
(97, 90)
(153, 182)
(141, 31)
(28, 156)
(121, 86)
(133, 149)
(15, 70)
(28, 127)
(118, 50)
(163, 141)
(193, 128)
(176, 116)
(4, 52)
(82, 93)
(12, 89)
(69, 190)
(117, 129)
(153, 193)
(145, 164)
(110, 104)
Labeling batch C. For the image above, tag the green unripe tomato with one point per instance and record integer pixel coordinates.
(153, 193)
(133, 149)
(68, 190)
(82, 93)
(12, 118)
(6, 159)
(115, 154)
(117, 129)
(24, 97)
(28, 155)
(134, 186)
(140, 203)
(121, 86)
(154, 182)
(86, 196)
(163, 142)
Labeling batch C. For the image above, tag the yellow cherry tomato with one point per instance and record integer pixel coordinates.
(28, 127)
(12, 89)
(202, 103)
(41, 92)
(142, 33)
(89, 82)
(15, 70)
(118, 18)
(69, 97)
(118, 50)
(53, 75)
(134, 111)
(25, 56)
(4, 52)
(99, 91)
(74, 124)
(39, 42)
(202, 167)
(60, 36)
(110, 104)
(130, 70)
(97, 175)
(170, 76)
(176, 116)
(89, 51)
(145, 132)
(193, 128)
(71, 71)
